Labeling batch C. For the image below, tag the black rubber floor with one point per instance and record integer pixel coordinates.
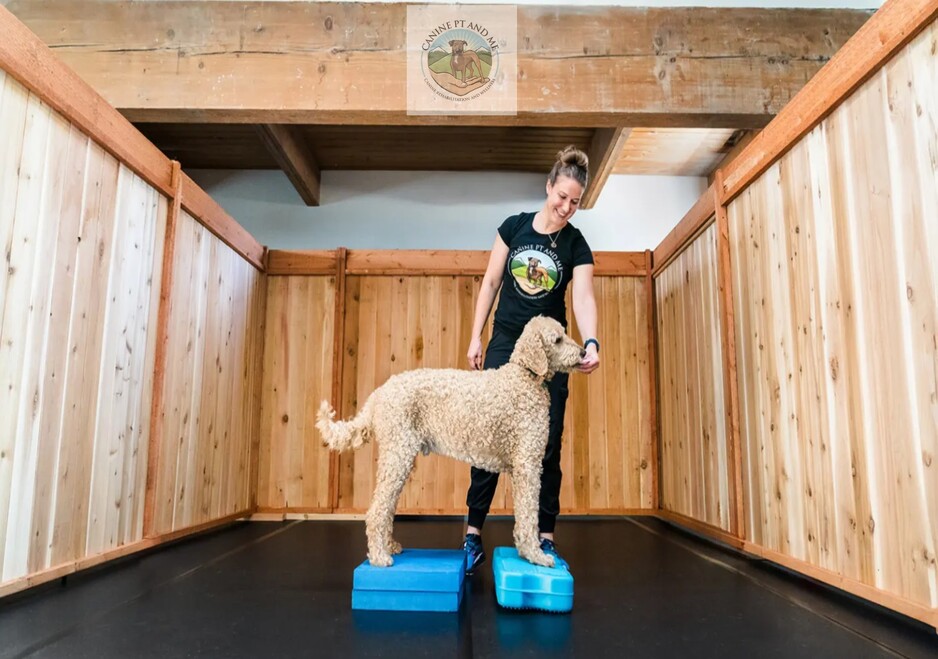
(643, 589)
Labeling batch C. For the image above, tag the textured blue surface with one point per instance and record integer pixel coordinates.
(405, 600)
(523, 585)
(419, 580)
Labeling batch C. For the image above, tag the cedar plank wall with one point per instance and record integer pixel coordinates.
(215, 330)
(836, 305)
(399, 322)
(694, 472)
(83, 239)
(83, 234)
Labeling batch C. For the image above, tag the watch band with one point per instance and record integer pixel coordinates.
(587, 343)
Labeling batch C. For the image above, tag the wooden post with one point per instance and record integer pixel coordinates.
(338, 361)
(653, 374)
(728, 344)
(162, 338)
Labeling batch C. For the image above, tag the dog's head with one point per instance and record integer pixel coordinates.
(544, 348)
(457, 45)
(533, 261)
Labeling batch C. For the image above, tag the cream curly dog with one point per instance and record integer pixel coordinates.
(496, 420)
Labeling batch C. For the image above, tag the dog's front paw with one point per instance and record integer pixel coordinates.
(538, 557)
(394, 547)
(381, 560)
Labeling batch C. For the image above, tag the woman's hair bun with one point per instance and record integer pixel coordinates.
(571, 162)
(573, 156)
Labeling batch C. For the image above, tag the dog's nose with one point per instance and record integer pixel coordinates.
(582, 353)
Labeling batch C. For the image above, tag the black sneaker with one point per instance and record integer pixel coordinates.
(549, 548)
(475, 554)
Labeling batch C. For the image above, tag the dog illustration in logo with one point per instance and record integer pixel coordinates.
(463, 60)
(536, 273)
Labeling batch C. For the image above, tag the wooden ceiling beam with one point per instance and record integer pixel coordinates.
(346, 63)
(604, 152)
(287, 146)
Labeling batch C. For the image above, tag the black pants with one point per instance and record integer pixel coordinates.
(482, 488)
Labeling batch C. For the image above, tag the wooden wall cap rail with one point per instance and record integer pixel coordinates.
(214, 218)
(28, 60)
(425, 262)
(416, 262)
(301, 262)
(693, 222)
(888, 30)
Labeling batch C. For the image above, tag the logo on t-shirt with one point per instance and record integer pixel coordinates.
(535, 269)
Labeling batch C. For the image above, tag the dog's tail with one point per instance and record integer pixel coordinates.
(345, 435)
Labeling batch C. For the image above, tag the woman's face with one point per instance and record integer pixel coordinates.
(563, 198)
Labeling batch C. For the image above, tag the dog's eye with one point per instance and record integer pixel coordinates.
(558, 340)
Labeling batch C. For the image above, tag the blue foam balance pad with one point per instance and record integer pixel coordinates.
(523, 585)
(419, 580)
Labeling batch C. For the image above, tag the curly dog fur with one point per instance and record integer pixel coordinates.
(495, 420)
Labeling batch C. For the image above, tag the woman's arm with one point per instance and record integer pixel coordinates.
(491, 282)
(584, 310)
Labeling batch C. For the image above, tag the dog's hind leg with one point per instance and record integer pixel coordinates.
(526, 489)
(394, 466)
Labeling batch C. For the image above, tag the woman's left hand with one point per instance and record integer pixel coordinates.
(589, 363)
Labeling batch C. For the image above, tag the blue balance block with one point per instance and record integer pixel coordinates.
(523, 585)
(419, 580)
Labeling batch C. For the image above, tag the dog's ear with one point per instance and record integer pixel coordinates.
(452, 42)
(529, 351)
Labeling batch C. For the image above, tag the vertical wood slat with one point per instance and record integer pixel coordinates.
(338, 358)
(728, 342)
(162, 337)
(19, 333)
(655, 435)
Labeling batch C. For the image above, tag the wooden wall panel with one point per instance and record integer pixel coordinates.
(397, 323)
(294, 466)
(694, 474)
(82, 238)
(836, 264)
(612, 470)
(216, 329)
(394, 324)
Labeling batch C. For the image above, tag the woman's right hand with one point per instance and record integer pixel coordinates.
(475, 354)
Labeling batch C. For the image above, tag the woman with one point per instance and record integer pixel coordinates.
(535, 257)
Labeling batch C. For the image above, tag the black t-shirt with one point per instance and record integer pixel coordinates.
(536, 274)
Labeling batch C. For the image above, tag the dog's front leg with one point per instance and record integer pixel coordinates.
(526, 488)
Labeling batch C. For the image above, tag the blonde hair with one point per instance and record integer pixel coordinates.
(573, 163)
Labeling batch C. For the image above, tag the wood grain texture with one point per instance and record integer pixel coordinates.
(835, 253)
(314, 63)
(298, 368)
(28, 60)
(215, 330)
(82, 237)
(396, 323)
(694, 474)
(891, 27)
